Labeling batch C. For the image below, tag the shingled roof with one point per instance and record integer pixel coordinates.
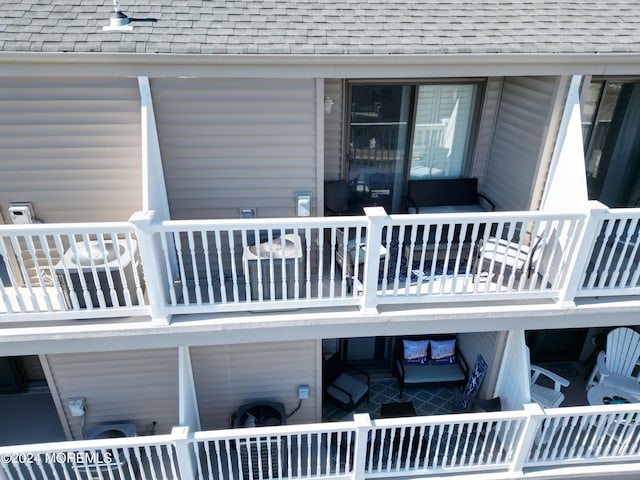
(308, 27)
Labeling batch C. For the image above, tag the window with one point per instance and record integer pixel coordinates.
(408, 131)
(611, 130)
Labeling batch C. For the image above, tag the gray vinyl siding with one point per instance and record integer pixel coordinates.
(486, 126)
(228, 144)
(488, 345)
(526, 105)
(229, 376)
(71, 146)
(130, 386)
(333, 134)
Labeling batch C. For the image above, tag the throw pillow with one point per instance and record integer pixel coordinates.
(415, 351)
(443, 351)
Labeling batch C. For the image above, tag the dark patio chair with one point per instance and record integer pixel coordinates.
(345, 385)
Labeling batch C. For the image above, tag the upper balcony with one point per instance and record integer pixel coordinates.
(163, 268)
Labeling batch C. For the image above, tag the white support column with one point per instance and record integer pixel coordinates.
(531, 430)
(154, 192)
(189, 414)
(581, 257)
(320, 146)
(513, 382)
(184, 452)
(566, 185)
(154, 267)
(363, 428)
(376, 217)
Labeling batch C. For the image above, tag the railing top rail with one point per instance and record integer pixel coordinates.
(98, 444)
(593, 410)
(450, 419)
(264, 223)
(622, 213)
(71, 228)
(449, 218)
(277, 430)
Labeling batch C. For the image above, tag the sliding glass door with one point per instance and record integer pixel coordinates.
(442, 129)
(380, 116)
(407, 131)
(611, 129)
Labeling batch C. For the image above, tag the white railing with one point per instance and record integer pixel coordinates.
(587, 434)
(496, 444)
(475, 256)
(223, 265)
(74, 270)
(316, 451)
(614, 257)
(67, 271)
(444, 444)
(139, 458)
(269, 263)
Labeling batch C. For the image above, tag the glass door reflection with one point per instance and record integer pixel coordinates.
(378, 140)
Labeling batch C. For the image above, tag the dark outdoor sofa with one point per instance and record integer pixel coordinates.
(447, 195)
(430, 373)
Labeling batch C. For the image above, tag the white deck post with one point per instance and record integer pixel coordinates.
(187, 398)
(535, 415)
(153, 268)
(579, 262)
(184, 452)
(376, 217)
(363, 427)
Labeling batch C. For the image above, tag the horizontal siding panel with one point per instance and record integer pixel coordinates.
(73, 158)
(73, 118)
(526, 104)
(79, 130)
(132, 386)
(263, 130)
(192, 111)
(485, 344)
(486, 127)
(229, 155)
(72, 147)
(257, 129)
(209, 175)
(32, 110)
(229, 376)
(299, 143)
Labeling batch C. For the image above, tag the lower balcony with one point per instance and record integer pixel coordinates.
(162, 268)
(510, 444)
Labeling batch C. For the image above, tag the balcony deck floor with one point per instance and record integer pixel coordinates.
(439, 400)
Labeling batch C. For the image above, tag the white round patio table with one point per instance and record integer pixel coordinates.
(603, 394)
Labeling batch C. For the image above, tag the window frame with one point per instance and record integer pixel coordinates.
(480, 84)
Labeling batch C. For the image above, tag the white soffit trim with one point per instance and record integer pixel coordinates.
(315, 66)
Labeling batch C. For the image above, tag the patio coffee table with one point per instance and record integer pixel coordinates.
(397, 409)
(604, 394)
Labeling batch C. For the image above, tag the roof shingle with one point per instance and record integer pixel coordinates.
(303, 27)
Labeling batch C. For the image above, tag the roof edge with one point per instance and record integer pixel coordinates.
(326, 66)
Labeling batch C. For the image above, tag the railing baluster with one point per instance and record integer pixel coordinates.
(25, 273)
(232, 258)
(194, 267)
(204, 238)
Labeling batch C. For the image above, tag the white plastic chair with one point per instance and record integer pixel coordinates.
(619, 364)
(517, 258)
(547, 397)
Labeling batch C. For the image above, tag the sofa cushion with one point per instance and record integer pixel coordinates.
(433, 373)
